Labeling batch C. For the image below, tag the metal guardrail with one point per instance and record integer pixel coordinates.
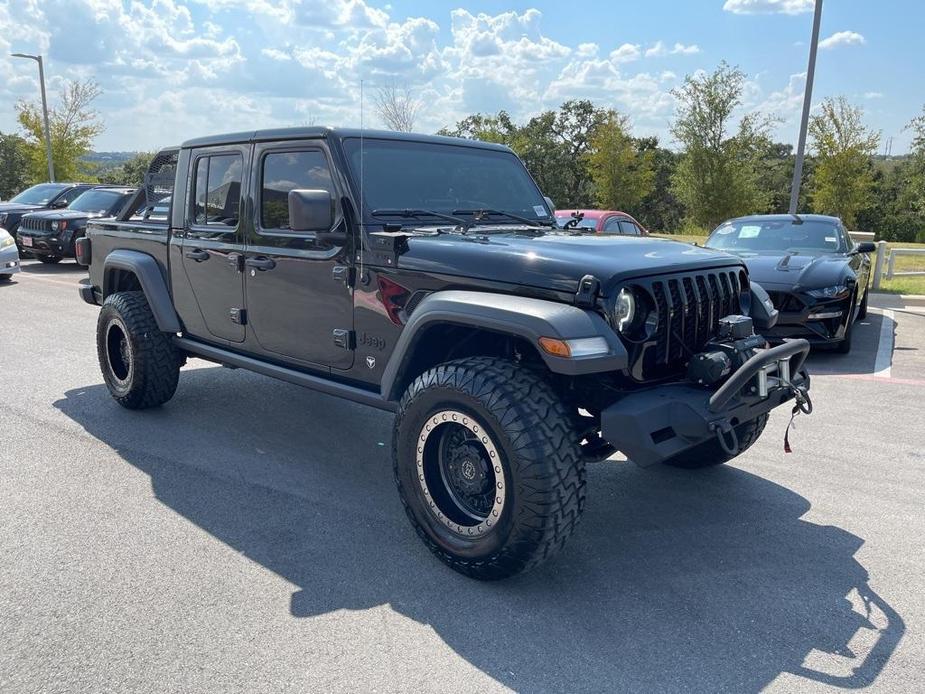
(891, 265)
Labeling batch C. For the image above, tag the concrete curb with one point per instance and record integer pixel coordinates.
(895, 300)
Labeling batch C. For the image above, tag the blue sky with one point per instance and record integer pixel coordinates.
(172, 70)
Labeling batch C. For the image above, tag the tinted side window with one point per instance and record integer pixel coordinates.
(628, 228)
(611, 226)
(74, 193)
(217, 192)
(285, 171)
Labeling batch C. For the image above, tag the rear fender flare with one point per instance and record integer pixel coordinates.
(152, 282)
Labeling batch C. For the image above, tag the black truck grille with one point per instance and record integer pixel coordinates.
(35, 224)
(687, 310)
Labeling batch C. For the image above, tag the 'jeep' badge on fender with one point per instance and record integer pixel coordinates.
(371, 362)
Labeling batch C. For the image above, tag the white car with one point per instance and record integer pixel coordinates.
(9, 256)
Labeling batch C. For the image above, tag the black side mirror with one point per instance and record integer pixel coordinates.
(59, 203)
(866, 247)
(310, 210)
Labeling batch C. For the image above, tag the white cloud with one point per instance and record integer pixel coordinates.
(873, 95)
(586, 50)
(843, 38)
(626, 53)
(660, 49)
(768, 6)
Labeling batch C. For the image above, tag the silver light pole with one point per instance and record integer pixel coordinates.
(807, 100)
(38, 59)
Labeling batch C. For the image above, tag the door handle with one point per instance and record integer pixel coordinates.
(261, 263)
(197, 254)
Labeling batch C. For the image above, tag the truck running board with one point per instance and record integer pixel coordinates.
(283, 373)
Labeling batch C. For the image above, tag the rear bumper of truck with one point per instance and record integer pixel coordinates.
(654, 425)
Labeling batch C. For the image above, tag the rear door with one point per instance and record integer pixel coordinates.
(299, 298)
(212, 245)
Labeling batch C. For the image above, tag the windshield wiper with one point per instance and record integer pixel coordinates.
(480, 215)
(414, 213)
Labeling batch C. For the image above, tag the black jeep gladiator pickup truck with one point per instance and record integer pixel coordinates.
(426, 276)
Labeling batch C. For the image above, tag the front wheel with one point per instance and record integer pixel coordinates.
(140, 364)
(488, 466)
(711, 453)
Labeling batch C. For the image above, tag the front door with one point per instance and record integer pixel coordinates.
(299, 298)
(212, 247)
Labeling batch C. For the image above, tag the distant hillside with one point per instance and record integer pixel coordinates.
(108, 160)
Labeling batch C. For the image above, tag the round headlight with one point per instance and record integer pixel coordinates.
(624, 310)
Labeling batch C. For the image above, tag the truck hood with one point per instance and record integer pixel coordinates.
(56, 215)
(17, 207)
(776, 270)
(553, 260)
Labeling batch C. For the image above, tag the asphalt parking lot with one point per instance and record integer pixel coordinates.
(248, 537)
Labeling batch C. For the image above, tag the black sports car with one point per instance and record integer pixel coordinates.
(814, 273)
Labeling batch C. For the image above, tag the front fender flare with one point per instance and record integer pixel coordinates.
(523, 317)
(152, 282)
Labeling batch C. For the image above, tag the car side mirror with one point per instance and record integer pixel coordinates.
(310, 210)
(58, 204)
(866, 247)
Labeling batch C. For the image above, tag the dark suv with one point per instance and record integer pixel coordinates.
(426, 276)
(51, 235)
(43, 196)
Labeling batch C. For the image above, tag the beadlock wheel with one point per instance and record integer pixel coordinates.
(460, 473)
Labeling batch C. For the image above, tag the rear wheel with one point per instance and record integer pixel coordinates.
(488, 466)
(711, 453)
(140, 364)
(49, 259)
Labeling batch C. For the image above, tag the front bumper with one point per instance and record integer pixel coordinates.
(654, 425)
(44, 244)
(799, 319)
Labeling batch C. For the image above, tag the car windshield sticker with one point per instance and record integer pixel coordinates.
(749, 232)
(830, 239)
(540, 210)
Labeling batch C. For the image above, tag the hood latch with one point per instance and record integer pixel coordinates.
(588, 288)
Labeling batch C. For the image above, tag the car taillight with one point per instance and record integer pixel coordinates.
(82, 251)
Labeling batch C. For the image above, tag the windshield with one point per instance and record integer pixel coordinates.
(98, 201)
(398, 174)
(585, 223)
(776, 235)
(41, 194)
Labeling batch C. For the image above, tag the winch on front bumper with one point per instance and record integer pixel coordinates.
(653, 425)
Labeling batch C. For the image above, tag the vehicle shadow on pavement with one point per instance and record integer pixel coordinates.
(862, 359)
(65, 267)
(675, 580)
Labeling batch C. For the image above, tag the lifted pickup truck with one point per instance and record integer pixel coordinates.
(425, 276)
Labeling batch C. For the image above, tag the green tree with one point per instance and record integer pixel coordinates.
(843, 182)
(73, 124)
(718, 175)
(499, 128)
(129, 173)
(622, 169)
(661, 210)
(14, 166)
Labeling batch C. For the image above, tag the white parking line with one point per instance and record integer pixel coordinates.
(884, 360)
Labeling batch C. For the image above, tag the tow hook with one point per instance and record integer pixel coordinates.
(722, 430)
